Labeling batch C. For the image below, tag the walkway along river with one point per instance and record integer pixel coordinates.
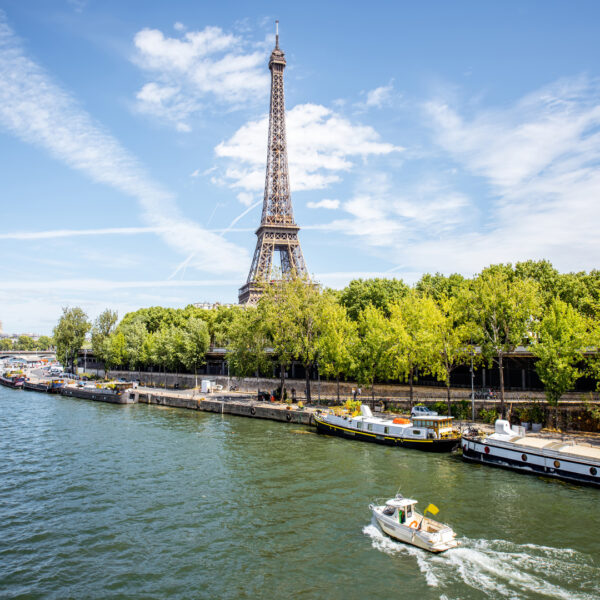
(137, 501)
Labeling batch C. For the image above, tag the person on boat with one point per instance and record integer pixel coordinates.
(401, 516)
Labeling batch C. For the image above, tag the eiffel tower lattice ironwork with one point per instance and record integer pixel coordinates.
(278, 231)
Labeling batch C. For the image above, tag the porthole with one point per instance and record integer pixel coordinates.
(524, 457)
(487, 449)
(593, 470)
(557, 464)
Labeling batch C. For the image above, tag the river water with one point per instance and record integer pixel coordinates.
(104, 501)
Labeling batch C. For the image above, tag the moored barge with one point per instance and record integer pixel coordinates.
(511, 449)
(12, 381)
(431, 433)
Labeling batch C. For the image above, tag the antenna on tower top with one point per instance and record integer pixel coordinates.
(277, 34)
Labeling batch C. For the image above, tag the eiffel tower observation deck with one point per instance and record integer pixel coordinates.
(278, 231)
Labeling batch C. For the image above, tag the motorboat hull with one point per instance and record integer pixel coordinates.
(428, 445)
(569, 468)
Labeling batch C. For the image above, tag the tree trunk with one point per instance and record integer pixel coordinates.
(307, 374)
(501, 372)
(338, 389)
(410, 381)
(449, 402)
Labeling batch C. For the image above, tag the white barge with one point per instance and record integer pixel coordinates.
(511, 449)
(431, 433)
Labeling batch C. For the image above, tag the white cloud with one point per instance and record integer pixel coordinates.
(246, 198)
(189, 72)
(321, 144)
(325, 203)
(379, 97)
(38, 112)
(541, 158)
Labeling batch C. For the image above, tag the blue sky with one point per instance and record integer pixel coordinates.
(422, 137)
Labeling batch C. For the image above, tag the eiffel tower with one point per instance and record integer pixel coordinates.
(278, 230)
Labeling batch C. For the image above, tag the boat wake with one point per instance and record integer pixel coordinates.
(500, 569)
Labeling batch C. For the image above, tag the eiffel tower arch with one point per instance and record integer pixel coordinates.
(278, 232)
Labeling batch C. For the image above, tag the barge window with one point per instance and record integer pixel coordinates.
(416, 432)
(369, 426)
(358, 425)
(386, 430)
(593, 470)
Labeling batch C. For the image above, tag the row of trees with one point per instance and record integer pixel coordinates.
(373, 330)
(25, 342)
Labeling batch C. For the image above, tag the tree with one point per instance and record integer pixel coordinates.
(290, 310)
(134, 333)
(504, 309)
(115, 351)
(69, 334)
(337, 339)
(44, 342)
(377, 292)
(24, 342)
(559, 346)
(196, 341)
(371, 348)
(247, 343)
(6, 344)
(440, 287)
(452, 340)
(415, 322)
(104, 326)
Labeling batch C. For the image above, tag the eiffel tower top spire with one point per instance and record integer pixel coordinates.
(278, 230)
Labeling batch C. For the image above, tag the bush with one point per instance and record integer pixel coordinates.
(488, 416)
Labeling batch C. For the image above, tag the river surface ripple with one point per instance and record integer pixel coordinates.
(103, 501)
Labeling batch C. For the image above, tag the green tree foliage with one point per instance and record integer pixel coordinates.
(104, 326)
(247, 343)
(6, 344)
(440, 287)
(69, 334)
(504, 309)
(26, 343)
(371, 350)
(559, 346)
(196, 341)
(337, 341)
(414, 328)
(44, 343)
(135, 333)
(380, 293)
(290, 311)
(452, 340)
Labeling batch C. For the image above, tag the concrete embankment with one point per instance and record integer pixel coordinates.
(243, 406)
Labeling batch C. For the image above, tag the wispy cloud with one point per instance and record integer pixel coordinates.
(35, 109)
(379, 97)
(321, 145)
(103, 285)
(66, 233)
(325, 203)
(191, 70)
(541, 160)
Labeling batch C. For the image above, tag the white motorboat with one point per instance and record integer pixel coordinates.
(399, 519)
